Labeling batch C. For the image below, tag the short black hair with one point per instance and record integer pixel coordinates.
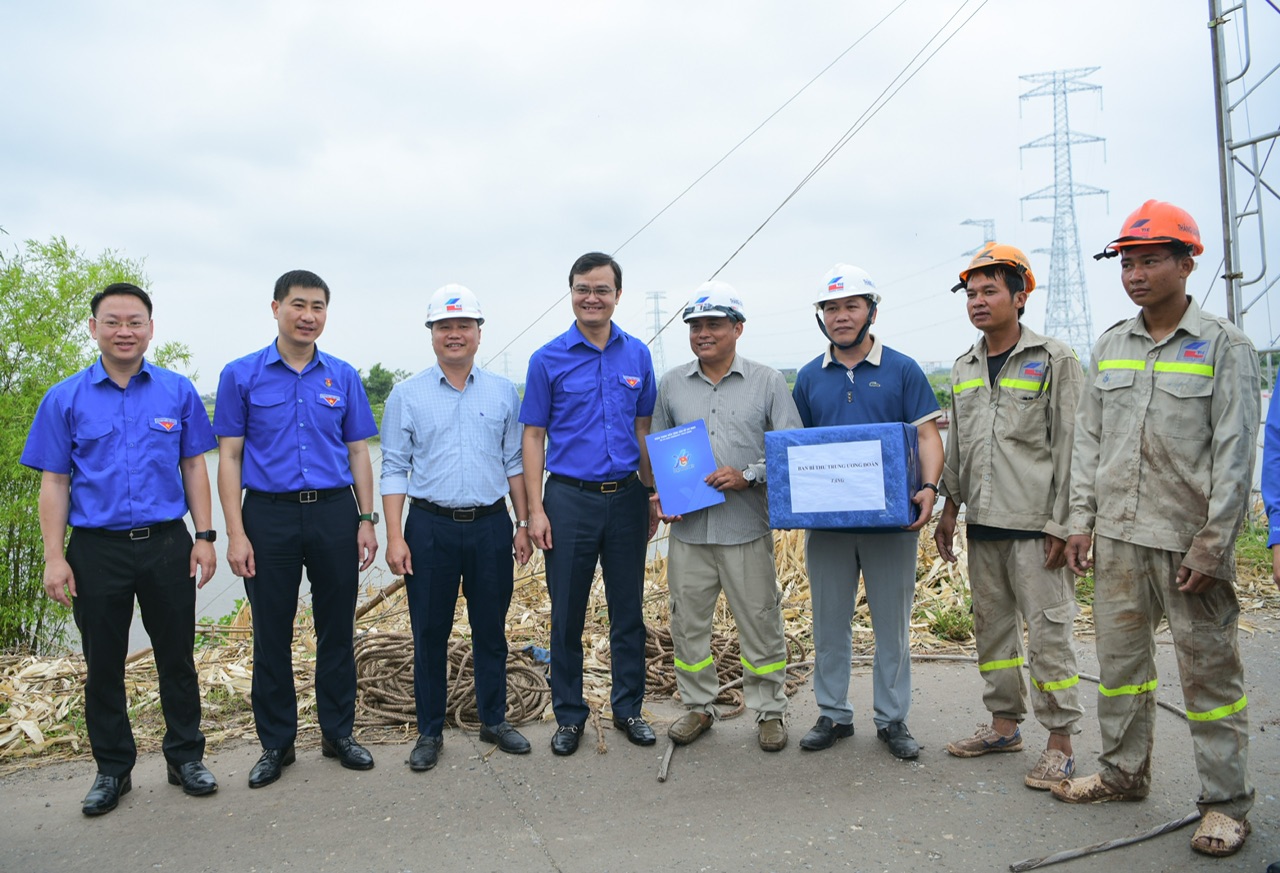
(590, 261)
(118, 289)
(299, 279)
(1013, 279)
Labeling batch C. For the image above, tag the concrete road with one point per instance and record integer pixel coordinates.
(726, 806)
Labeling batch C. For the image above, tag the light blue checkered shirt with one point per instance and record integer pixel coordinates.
(454, 448)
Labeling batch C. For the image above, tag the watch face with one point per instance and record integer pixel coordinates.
(749, 475)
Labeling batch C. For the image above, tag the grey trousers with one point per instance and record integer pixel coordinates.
(887, 563)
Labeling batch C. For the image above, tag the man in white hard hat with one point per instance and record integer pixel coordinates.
(451, 447)
(1008, 461)
(728, 546)
(858, 380)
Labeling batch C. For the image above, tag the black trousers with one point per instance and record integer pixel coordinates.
(110, 572)
(286, 537)
(613, 529)
(478, 553)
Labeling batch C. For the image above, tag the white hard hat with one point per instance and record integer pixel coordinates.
(454, 301)
(846, 280)
(715, 300)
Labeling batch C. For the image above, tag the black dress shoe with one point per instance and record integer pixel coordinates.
(565, 740)
(267, 770)
(505, 737)
(637, 730)
(193, 776)
(900, 741)
(349, 753)
(824, 734)
(105, 793)
(426, 752)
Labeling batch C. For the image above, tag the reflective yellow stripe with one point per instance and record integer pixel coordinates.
(1122, 364)
(1194, 369)
(961, 387)
(1000, 665)
(767, 668)
(1128, 689)
(1056, 686)
(1220, 712)
(1022, 384)
(694, 668)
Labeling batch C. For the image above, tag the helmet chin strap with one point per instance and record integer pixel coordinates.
(862, 334)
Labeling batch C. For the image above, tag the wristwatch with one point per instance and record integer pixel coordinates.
(207, 535)
(930, 486)
(369, 516)
(750, 475)
(524, 522)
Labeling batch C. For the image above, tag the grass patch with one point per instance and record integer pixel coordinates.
(952, 623)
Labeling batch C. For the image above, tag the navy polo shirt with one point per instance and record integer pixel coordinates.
(296, 426)
(120, 446)
(588, 399)
(886, 386)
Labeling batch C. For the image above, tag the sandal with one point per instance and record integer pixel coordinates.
(1219, 835)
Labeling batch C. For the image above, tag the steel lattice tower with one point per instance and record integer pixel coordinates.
(988, 226)
(1067, 317)
(656, 350)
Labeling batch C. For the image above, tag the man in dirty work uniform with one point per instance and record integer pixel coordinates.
(1160, 475)
(1008, 459)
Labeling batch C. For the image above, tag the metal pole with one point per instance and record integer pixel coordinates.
(1226, 176)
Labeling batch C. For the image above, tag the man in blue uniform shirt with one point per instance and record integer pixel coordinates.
(588, 400)
(120, 447)
(451, 445)
(860, 381)
(292, 424)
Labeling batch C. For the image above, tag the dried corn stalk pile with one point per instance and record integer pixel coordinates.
(41, 699)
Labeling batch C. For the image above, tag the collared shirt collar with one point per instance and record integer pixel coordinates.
(575, 336)
(98, 372)
(436, 375)
(319, 359)
(1028, 339)
(872, 358)
(1190, 322)
(694, 368)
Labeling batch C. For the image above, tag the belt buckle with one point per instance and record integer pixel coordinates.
(140, 533)
(308, 496)
(464, 515)
(608, 487)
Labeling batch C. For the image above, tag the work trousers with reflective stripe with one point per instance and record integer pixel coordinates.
(695, 576)
(1134, 587)
(1010, 585)
(887, 563)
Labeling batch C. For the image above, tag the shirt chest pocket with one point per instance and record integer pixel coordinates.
(1023, 418)
(94, 449)
(629, 394)
(1116, 387)
(164, 434)
(1181, 406)
(269, 412)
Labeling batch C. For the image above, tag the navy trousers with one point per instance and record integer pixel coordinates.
(613, 529)
(286, 537)
(110, 572)
(444, 552)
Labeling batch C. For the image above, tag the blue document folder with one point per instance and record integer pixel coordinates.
(681, 458)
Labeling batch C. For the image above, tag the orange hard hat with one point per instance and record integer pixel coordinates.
(1155, 222)
(994, 253)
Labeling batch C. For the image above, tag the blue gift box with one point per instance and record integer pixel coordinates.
(848, 477)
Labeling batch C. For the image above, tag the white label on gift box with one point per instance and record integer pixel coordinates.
(837, 477)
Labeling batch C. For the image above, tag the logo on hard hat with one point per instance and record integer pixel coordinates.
(868, 283)
(703, 299)
(453, 304)
(836, 284)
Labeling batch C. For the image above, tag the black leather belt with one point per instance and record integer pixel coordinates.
(468, 514)
(138, 533)
(602, 487)
(312, 496)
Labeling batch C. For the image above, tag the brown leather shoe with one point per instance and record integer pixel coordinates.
(689, 727)
(772, 735)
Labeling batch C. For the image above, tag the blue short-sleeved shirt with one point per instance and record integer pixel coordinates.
(296, 426)
(886, 386)
(588, 399)
(121, 446)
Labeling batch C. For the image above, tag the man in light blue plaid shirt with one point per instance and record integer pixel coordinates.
(451, 446)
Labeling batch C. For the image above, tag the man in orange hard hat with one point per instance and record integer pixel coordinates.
(1161, 469)
(1008, 458)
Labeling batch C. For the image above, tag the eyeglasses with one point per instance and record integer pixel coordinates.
(113, 325)
(601, 291)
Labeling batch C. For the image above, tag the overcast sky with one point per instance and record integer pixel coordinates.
(394, 147)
